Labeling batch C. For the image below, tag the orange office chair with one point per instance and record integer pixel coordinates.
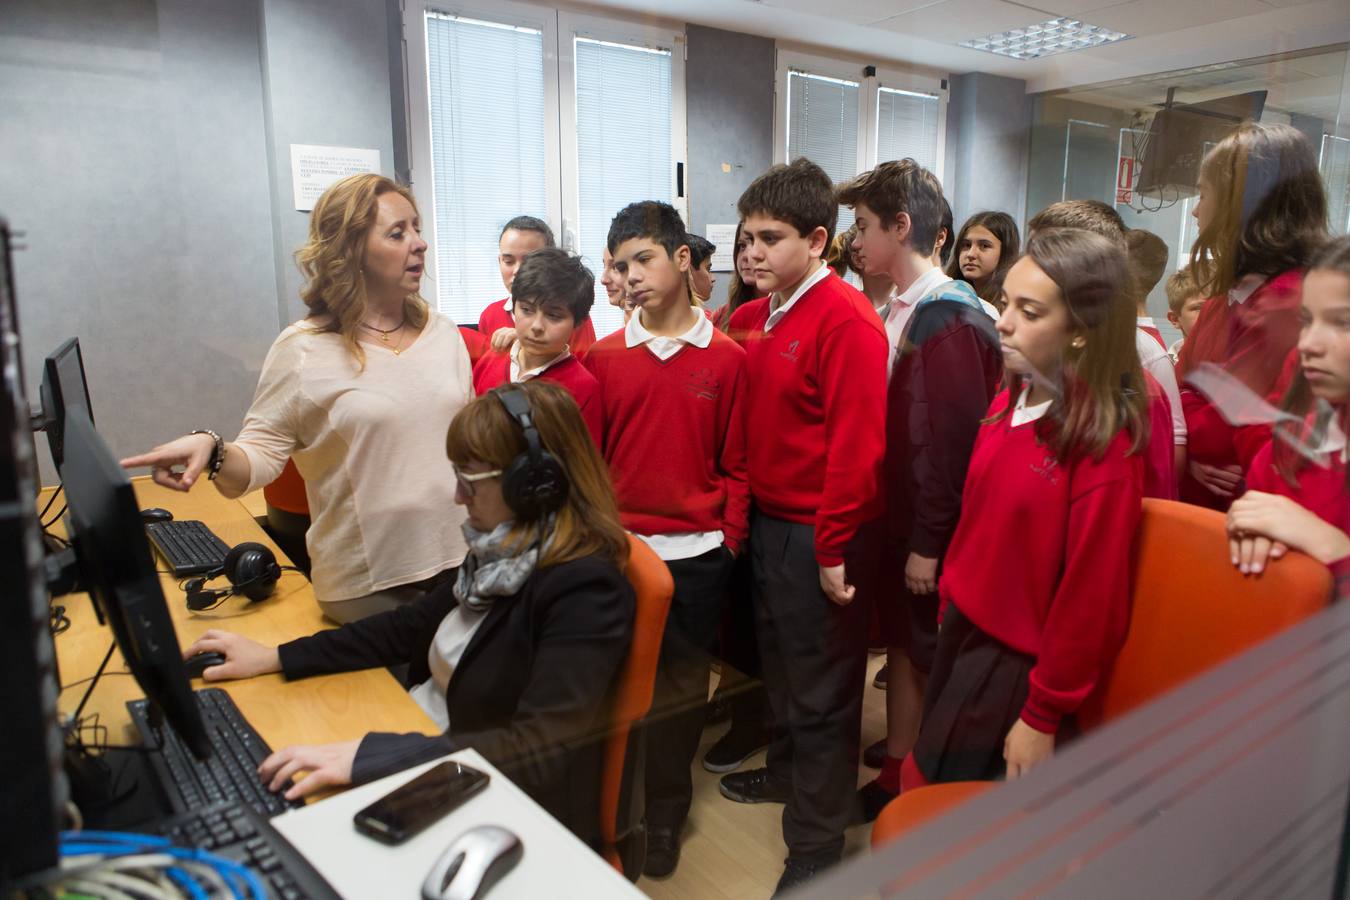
(1191, 609)
(288, 514)
(624, 847)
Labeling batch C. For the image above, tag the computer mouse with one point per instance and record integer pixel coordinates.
(155, 514)
(472, 864)
(198, 663)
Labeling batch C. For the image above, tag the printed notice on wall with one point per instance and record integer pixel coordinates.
(314, 168)
(723, 237)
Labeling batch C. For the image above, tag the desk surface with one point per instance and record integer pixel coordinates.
(556, 863)
(314, 710)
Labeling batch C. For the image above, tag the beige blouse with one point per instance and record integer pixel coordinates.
(371, 447)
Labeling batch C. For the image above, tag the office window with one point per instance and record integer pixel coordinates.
(907, 127)
(847, 119)
(488, 155)
(1335, 165)
(822, 125)
(520, 109)
(623, 145)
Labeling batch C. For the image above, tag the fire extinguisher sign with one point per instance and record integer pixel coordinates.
(1127, 175)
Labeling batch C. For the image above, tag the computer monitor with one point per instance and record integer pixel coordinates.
(33, 787)
(64, 387)
(118, 570)
(1181, 134)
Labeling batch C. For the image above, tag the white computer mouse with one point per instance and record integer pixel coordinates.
(472, 864)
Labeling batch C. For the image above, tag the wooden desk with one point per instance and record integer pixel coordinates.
(311, 711)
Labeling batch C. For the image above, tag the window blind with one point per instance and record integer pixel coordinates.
(823, 126)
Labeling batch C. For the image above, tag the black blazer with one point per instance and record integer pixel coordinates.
(530, 692)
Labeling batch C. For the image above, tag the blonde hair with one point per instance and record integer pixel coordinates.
(588, 523)
(1181, 287)
(332, 258)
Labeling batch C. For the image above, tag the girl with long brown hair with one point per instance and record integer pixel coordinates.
(1262, 213)
(1029, 626)
(538, 620)
(1299, 483)
(359, 393)
(985, 250)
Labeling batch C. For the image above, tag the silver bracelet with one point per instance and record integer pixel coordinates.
(217, 454)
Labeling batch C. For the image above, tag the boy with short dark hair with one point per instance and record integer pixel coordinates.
(816, 363)
(552, 296)
(701, 276)
(947, 366)
(518, 239)
(1147, 255)
(1089, 215)
(674, 440)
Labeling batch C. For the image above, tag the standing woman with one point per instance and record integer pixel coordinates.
(1262, 213)
(986, 248)
(360, 393)
(1030, 626)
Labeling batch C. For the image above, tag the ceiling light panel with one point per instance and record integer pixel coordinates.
(1045, 39)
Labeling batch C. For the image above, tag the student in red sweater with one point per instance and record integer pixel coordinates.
(519, 238)
(947, 370)
(553, 295)
(1299, 485)
(1262, 213)
(815, 423)
(675, 445)
(1029, 625)
(1167, 425)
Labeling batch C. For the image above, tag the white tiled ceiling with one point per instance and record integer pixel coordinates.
(957, 20)
(1147, 17)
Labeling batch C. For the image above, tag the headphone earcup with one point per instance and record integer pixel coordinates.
(535, 488)
(252, 569)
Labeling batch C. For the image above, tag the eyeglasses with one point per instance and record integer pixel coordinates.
(468, 480)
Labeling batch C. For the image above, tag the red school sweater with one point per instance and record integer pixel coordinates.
(495, 369)
(496, 316)
(1251, 341)
(1320, 489)
(674, 436)
(1041, 558)
(816, 412)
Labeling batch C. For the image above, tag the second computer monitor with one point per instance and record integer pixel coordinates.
(118, 570)
(64, 388)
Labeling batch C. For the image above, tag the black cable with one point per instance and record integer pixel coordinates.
(93, 682)
(66, 687)
(55, 518)
(60, 622)
(50, 500)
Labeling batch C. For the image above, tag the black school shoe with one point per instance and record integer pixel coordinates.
(874, 757)
(754, 786)
(732, 749)
(872, 799)
(798, 872)
(881, 678)
(663, 851)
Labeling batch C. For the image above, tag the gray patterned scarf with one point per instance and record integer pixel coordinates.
(493, 568)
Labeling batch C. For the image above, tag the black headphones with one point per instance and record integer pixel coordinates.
(535, 483)
(252, 569)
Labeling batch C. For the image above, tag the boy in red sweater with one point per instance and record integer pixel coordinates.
(946, 372)
(519, 238)
(674, 439)
(553, 295)
(815, 432)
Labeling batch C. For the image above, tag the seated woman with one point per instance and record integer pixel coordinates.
(516, 658)
(1299, 487)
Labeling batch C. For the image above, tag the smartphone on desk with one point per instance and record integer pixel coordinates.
(408, 809)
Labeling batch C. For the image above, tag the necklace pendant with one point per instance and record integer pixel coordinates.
(384, 336)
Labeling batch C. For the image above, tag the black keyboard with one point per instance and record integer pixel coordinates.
(231, 772)
(239, 834)
(188, 546)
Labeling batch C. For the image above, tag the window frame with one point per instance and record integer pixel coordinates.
(868, 99)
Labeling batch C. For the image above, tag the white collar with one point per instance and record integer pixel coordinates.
(700, 334)
(921, 286)
(1245, 287)
(811, 281)
(1334, 440)
(1022, 414)
(517, 375)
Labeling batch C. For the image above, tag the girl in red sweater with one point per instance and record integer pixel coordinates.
(1262, 213)
(1029, 625)
(1299, 485)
